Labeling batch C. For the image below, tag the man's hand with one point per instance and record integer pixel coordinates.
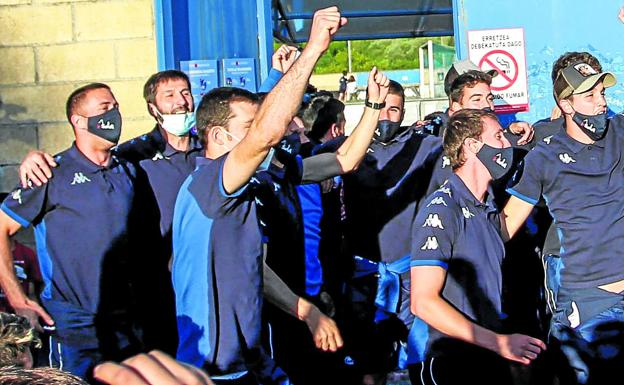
(621, 15)
(519, 347)
(154, 368)
(325, 25)
(284, 58)
(32, 311)
(524, 129)
(36, 168)
(324, 330)
(378, 85)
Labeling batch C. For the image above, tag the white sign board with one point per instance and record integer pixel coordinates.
(504, 51)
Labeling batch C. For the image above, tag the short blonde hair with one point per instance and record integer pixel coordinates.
(16, 337)
(467, 123)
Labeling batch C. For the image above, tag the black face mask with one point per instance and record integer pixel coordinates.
(386, 130)
(107, 125)
(593, 126)
(498, 161)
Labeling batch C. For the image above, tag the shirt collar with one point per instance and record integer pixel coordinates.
(166, 149)
(86, 164)
(577, 146)
(465, 196)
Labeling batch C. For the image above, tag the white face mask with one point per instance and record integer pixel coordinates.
(267, 159)
(177, 124)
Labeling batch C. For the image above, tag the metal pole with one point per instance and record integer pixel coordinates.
(431, 69)
(349, 54)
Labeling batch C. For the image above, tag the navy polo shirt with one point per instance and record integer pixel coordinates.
(583, 186)
(457, 232)
(166, 168)
(382, 195)
(217, 272)
(80, 220)
(281, 219)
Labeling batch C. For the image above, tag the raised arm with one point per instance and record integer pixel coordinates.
(11, 286)
(352, 151)
(427, 304)
(281, 104)
(514, 214)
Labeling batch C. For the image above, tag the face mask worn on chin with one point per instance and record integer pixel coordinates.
(106, 126)
(593, 126)
(498, 161)
(267, 159)
(386, 130)
(177, 124)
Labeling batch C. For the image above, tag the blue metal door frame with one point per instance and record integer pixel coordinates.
(213, 29)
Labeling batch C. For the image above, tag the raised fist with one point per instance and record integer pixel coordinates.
(377, 86)
(325, 25)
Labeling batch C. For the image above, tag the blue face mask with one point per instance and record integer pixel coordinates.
(177, 124)
(594, 126)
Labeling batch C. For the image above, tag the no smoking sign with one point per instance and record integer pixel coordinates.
(505, 64)
(502, 50)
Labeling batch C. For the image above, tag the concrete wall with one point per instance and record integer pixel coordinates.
(50, 47)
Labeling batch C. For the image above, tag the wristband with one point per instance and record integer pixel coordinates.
(374, 106)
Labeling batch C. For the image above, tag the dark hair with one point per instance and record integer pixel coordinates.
(570, 58)
(76, 98)
(395, 88)
(320, 114)
(151, 85)
(468, 79)
(38, 376)
(467, 123)
(214, 108)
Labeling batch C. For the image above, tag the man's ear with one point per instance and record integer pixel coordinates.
(335, 130)
(153, 110)
(455, 106)
(473, 145)
(215, 134)
(566, 106)
(78, 121)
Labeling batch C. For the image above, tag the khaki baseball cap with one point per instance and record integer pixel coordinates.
(461, 67)
(578, 78)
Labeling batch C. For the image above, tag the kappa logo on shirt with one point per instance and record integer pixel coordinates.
(575, 317)
(276, 187)
(446, 161)
(566, 158)
(79, 178)
(498, 158)
(467, 213)
(445, 190)
(430, 244)
(437, 201)
(433, 220)
(547, 139)
(17, 195)
(159, 156)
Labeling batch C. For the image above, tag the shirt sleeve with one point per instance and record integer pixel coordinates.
(526, 183)
(25, 206)
(434, 232)
(207, 189)
(271, 81)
